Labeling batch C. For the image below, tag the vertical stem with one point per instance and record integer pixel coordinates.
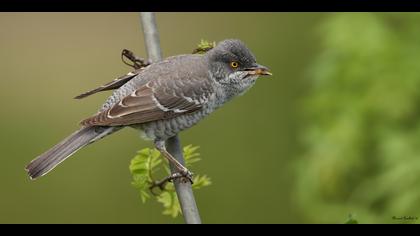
(151, 36)
(183, 190)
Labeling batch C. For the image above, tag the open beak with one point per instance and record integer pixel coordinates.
(259, 70)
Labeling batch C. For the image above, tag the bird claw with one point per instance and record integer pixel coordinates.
(185, 175)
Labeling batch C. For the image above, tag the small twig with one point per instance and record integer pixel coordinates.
(137, 62)
(161, 184)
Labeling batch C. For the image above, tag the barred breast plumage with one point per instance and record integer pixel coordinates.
(164, 129)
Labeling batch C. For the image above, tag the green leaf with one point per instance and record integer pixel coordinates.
(351, 220)
(201, 181)
(141, 183)
(204, 46)
(154, 160)
(144, 195)
(141, 167)
(167, 170)
(170, 203)
(190, 155)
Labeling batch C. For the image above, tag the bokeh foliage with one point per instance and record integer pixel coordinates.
(361, 129)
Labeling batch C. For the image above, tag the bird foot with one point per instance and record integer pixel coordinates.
(184, 176)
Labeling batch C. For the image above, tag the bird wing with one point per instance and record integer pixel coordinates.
(118, 82)
(155, 100)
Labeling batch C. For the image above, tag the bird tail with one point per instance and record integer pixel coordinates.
(60, 152)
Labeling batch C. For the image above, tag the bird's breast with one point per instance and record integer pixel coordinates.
(164, 129)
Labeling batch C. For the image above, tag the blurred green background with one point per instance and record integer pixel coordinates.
(334, 132)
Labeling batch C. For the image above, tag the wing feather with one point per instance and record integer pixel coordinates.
(151, 101)
(111, 85)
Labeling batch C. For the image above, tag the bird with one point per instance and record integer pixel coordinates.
(162, 99)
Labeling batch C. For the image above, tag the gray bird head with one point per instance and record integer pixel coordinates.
(234, 66)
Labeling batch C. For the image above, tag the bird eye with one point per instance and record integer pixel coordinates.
(234, 64)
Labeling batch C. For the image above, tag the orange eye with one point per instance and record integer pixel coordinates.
(234, 64)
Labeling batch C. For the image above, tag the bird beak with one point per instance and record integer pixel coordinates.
(259, 70)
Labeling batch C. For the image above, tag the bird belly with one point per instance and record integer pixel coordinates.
(164, 129)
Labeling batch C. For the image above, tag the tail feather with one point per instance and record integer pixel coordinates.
(60, 152)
